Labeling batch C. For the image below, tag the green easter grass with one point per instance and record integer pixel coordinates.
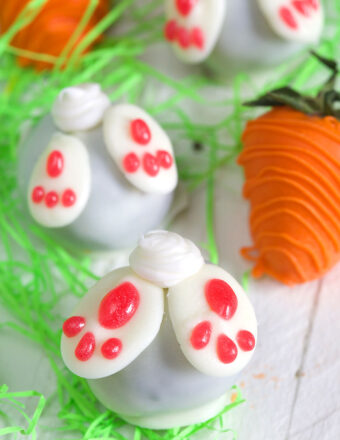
(36, 273)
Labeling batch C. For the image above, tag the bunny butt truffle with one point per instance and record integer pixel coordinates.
(97, 175)
(243, 33)
(291, 159)
(51, 29)
(162, 350)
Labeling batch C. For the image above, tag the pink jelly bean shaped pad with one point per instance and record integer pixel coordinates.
(140, 148)
(214, 321)
(193, 27)
(296, 20)
(114, 322)
(59, 186)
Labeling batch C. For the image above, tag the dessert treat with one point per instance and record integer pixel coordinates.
(291, 159)
(52, 27)
(241, 33)
(97, 175)
(162, 341)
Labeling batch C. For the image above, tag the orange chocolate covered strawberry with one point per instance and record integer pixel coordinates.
(51, 29)
(291, 160)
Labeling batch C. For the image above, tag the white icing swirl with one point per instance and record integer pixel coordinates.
(165, 258)
(80, 107)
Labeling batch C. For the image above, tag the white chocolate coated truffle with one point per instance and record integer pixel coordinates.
(91, 200)
(161, 389)
(184, 353)
(254, 33)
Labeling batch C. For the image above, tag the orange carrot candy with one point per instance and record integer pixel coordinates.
(51, 29)
(291, 160)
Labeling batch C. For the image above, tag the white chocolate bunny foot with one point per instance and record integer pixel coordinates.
(60, 182)
(193, 27)
(297, 20)
(140, 148)
(214, 321)
(115, 321)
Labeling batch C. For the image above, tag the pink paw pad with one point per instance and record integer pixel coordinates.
(200, 335)
(131, 163)
(150, 164)
(288, 18)
(164, 159)
(226, 349)
(245, 340)
(140, 132)
(111, 348)
(55, 164)
(184, 7)
(85, 347)
(221, 298)
(38, 194)
(305, 7)
(51, 199)
(68, 198)
(197, 37)
(118, 306)
(74, 325)
(170, 30)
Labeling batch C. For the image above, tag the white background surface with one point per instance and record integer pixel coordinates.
(292, 385)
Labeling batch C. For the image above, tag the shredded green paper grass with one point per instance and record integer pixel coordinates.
(36, 273)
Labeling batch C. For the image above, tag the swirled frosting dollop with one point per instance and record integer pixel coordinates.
(80, 107)
(165, 258)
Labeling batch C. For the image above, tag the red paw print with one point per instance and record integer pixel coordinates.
(60, 182)
(140, 148)
(114, 322)
(214, 321)
(184, 7)
(305, 8)
(54, 169)
(116, 309)
(141, 134)
(185, 38)
(222, 300)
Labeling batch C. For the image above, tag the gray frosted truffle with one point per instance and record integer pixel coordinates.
(96, 175)
(162, 341)
(234, 35)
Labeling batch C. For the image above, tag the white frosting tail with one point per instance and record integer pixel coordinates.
(79, 108)
(165, 258)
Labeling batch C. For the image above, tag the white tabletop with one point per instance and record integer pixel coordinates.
(292, 385)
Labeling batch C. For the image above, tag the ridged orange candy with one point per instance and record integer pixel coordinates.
(50, 31)
(292, 169)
